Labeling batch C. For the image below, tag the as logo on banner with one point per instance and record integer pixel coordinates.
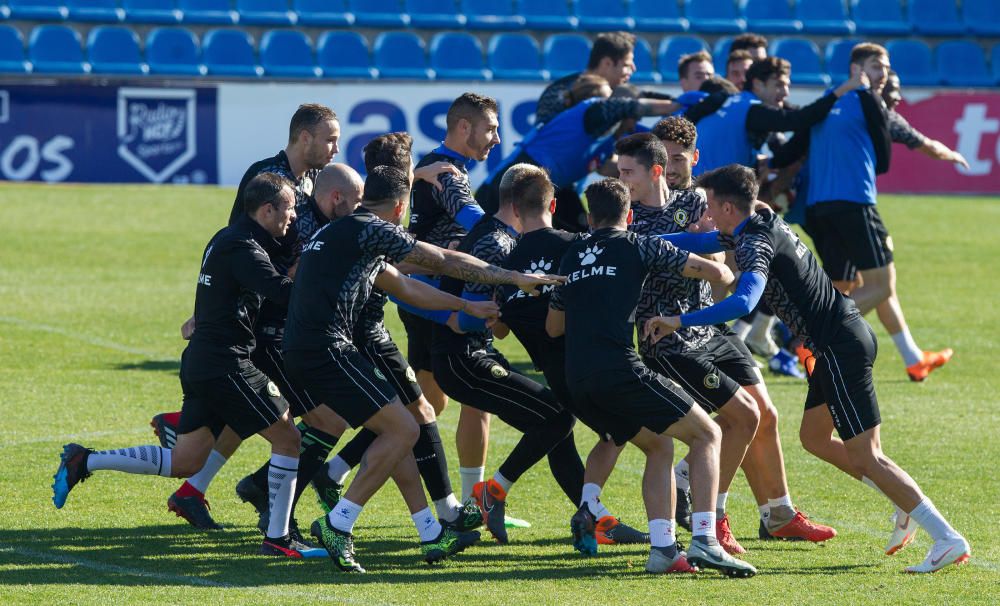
(156, 130)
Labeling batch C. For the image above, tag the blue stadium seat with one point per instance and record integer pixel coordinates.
(515, 57)
(912, 61)
(327, 13)
(173, 51)
(720, 53)
(433, 13)
(101, 11)
(879, 17)
(548, 15)
(265, 12)
(715, 16)
(603, 15)
(379, 13)
(981, 17)
(492, 15)
(644, 71)
(995, 61)
(837, 58)
(962, 63)
(936, 17)
(229, 52)
(344, 55)
(824, 17)
(565, 54)
(288, 54)
(803, 54)
(113, 49)
(401, 55)
(152, 11)
(38, 10)
(657, 16)
(208, 11)
(770, 16)
(672, 49)
(56, 49)
(12, 58)
(458, 56)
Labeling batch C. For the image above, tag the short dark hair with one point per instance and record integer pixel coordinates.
(738, 55)
(718, 84)
(733, 183)
(470, 107)
(384, 184)
(390, 149)
(686, 60)
(585, 87)
(765, 69)
(646, 148)
(748, 41)
(613, 45)
(528, 188)
(861, 52)
(608, 200)
(263, 189)
(679, 130)
(306, 117)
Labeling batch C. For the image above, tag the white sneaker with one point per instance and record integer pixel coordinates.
(903, 532)
(761, 343)
(942, 553)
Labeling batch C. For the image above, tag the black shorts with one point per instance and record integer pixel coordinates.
(267, 357)
(842, 379)
(418, 340)
(849, 237)
(385, 356)
(247, 401)
(711, 374)
(342, 379)
(485, 381)
(629, 399)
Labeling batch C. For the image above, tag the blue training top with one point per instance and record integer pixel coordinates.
(723, 137)
(842, 156)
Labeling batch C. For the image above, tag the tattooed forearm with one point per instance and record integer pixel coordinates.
(459, 265)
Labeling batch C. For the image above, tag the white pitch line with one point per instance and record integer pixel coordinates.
(83, 338)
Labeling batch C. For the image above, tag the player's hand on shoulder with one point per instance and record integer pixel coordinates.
(658, 327)
(432, 173)
(530, 283)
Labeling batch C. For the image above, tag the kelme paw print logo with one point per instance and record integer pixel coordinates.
(539, 267)
(589, 254)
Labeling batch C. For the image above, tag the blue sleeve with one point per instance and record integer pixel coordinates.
(748, 292)
(469, 215)
(471, 323)
(690, 98)
(701, 244)
(438, 315)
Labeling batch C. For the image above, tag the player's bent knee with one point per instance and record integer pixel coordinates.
(422, 411)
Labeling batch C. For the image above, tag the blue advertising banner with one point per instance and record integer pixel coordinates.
(89, 133)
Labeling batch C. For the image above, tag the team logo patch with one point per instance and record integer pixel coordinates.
(712, 380)
(378, 373)
(306, 186)
(498, 371)
(156, 130)
(410, 375)
(681, 217)
(272, 390)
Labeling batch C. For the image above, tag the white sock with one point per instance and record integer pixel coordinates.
(203, 478)
(337, 469)
(703, 524)
(742, 329)
(592, 497)
(448, 507)
(765, 512)
(681, 475)
(470, 477)
(661, 533)
(782, 501)
(931, 520)
(907, 347)
(344, 515)
(281, 474)
(502, 481)
(427, 526)
(720, 504)
(144, 460)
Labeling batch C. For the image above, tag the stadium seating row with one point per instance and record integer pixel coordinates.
(112, 49)
(837, 17)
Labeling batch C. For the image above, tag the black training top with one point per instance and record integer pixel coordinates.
(798, 290)
(236, 272)
(490, 240)
(336, 272)
(370, 326)
(604, 276)
(433, 212)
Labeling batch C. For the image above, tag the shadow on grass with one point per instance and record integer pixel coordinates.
(173, 366)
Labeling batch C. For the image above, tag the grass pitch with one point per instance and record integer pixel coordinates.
(95, 282)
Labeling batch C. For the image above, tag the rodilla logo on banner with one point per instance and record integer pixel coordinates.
(969, 123)
(105, 134)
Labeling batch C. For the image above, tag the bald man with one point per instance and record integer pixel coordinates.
(338, 190)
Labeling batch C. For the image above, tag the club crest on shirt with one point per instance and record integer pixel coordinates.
(272, 390)
(378, 373)
(681, 217)
(498, 371)
(712, 380)
(410, 375)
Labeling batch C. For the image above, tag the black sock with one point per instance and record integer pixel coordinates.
(316, 445)
(567, 468)
(352, 452)
(536, 442)
(431, 461)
